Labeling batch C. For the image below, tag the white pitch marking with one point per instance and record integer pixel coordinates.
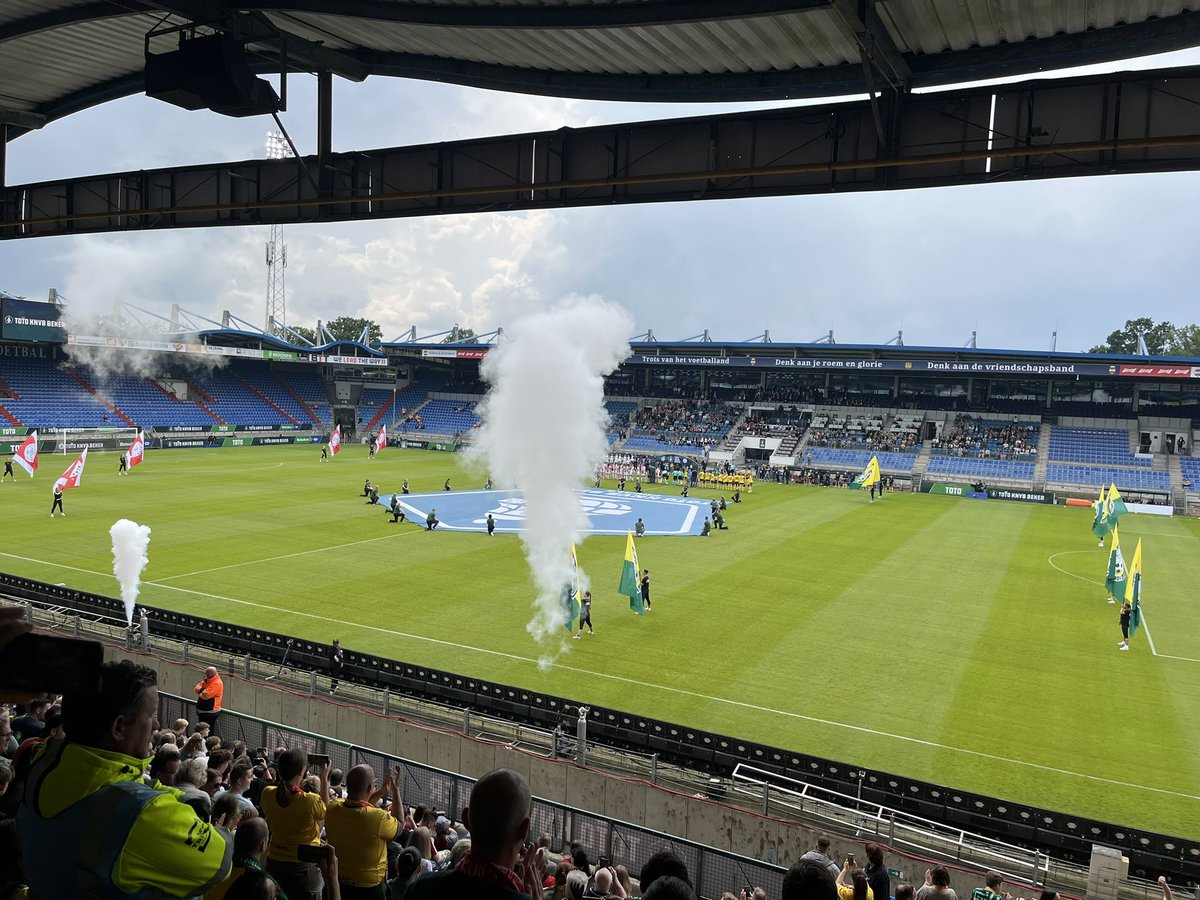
(251, 562)
(1149, 639)
(644, 684)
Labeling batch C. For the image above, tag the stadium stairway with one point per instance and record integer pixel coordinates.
(265, 399)
(1178, 493)
(791, 444)
(922, 462)
(216, 418)
(10, 418)
(203, 398)
(1043, 460)
(304, 403)
(308, 410)
(74, 375)
(381, 412)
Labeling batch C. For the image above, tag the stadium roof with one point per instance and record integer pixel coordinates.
(60, 56)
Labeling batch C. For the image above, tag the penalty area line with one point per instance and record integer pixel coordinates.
(860, 729)
(1149, 639)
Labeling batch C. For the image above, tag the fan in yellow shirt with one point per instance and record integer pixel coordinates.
(360, 830)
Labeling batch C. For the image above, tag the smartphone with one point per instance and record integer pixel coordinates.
(40, 663)
(312, 853)
(316, 760)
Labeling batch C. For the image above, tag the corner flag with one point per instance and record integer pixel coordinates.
(137, 450)
(1098, 527)
(381, 438)
(869, 476)
(1117, 574)
(1133, 590)
(335, 440)
(73, 475)
(629, 578)
(570, 594)
(27, 454)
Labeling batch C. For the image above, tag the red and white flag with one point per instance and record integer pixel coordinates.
(26, 455)
(335, 440)
(381, 438)
(73, 475)
(137, 450)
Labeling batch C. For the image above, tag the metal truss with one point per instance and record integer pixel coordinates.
(1126, 122)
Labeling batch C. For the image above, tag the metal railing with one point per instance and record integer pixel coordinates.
(712, 871)
(903, 831)
(754, 790)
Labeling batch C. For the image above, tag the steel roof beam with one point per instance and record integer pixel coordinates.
(860, 20)
(565, 16)
(258, 29)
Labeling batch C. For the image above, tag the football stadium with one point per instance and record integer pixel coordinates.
(926, 605)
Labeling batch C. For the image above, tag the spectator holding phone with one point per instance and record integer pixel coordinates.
(937, 885)
(89, 826)
(295, 819)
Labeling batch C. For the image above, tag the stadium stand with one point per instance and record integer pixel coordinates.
(858, 459)
(309, 390)
(1125, 479)
(449, 416)
(681, 426)
(267, 386)
(38, 394)
(223, 392)
(1190, 466)
(981, 468)
(149, 404)
(988, 438)
(1099, 446)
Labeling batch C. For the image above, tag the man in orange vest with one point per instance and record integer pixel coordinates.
(209, 693)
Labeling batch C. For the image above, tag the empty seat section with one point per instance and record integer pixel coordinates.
(858, 459)
(46, 396)
(1100, 446)
(973, 467)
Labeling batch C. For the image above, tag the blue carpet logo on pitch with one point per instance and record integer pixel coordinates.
(610, 512)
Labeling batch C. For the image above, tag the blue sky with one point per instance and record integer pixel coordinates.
(1011, 261)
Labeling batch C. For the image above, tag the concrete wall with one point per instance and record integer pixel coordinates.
(694, 818)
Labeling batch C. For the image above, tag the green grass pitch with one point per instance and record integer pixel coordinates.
(967, 643)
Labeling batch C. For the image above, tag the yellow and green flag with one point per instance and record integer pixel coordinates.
(629, 585)
(1098, 527)
(869, 476)
(1117, 576)
(570, 594)
(1114, 508)
(1133, 590)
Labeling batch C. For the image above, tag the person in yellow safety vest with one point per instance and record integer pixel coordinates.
(90, 827)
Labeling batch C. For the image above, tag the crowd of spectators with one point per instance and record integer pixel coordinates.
(974, 436)
(686, 422)
(781, 421)
(856, 432)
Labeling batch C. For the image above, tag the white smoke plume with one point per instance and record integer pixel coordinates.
(545, 427)
(129, 543)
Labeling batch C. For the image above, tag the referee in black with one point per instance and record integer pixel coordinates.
(335, 664)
